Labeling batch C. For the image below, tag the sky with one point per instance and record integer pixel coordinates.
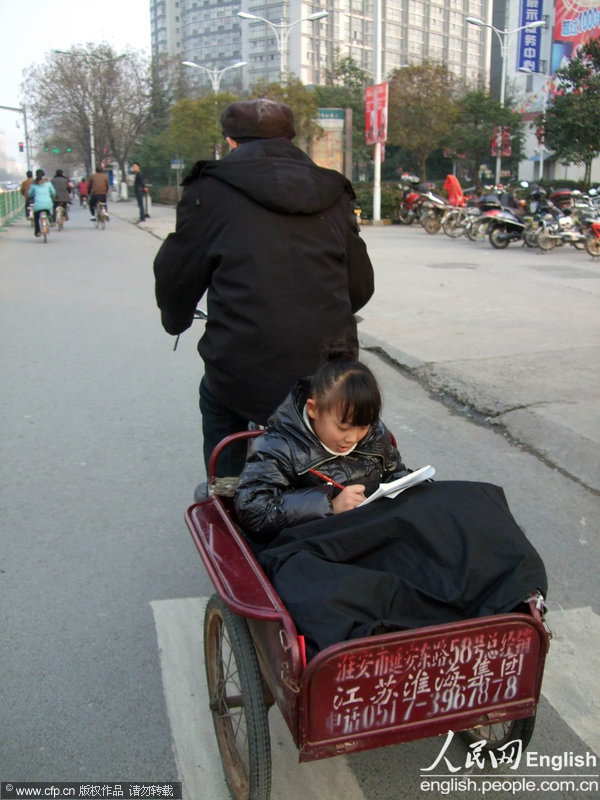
(29, 29)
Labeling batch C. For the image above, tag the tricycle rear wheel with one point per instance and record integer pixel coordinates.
(497, 734)
(237, 703)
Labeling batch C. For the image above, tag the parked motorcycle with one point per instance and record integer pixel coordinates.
(411, 200)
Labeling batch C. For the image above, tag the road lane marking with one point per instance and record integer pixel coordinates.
(572, 671)
(179, 634)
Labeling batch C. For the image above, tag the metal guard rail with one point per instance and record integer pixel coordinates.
(11, 205)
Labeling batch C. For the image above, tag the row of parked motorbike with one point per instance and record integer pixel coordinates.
(529, 215)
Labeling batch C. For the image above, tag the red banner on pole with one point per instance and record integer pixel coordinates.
(501, 142)
(376, 113)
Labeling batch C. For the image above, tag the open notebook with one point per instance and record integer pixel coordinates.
(393, 488)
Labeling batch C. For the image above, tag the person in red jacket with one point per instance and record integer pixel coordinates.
(82, 188)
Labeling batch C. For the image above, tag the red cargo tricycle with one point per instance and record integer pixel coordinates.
(480, 677)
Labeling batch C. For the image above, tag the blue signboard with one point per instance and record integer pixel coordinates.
(530, 41)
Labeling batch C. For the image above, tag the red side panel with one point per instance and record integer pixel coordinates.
(404, 686)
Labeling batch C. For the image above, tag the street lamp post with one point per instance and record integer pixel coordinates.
(502, 40)
(377, 71)
(24, 112)
(215, 75)
(282, 33)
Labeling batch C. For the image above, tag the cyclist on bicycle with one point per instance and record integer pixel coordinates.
(61, 187)
(82, 188)
(42, 193)
(24, 189)
(98, 188)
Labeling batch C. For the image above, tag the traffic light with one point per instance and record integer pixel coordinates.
(56, 150)
(46, 148)
(68, 149)
(21, 147)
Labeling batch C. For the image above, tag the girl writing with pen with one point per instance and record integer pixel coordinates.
(325, 449)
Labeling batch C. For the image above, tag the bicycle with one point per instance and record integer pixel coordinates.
(61, 217)
(44, 225)
(101, 215)
(30, 215)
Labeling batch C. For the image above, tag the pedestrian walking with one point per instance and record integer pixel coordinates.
(139, 188)
(98, 190)
(272, 239)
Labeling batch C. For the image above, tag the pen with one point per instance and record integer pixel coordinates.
(326, 478)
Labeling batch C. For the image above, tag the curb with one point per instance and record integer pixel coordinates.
(567, 452)
(141, 226)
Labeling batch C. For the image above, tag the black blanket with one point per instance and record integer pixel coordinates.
(440, 552)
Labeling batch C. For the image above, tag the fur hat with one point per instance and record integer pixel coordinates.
(258, 119)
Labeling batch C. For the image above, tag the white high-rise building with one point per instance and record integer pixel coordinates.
(210, 32)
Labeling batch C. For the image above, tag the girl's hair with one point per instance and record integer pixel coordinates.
(39, 174)
(349, 387)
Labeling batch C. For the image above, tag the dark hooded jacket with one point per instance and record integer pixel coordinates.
(61, 186)
(273, 240)
(276, 489)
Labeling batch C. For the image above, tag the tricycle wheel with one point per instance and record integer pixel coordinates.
(237, 703)
(497, 734)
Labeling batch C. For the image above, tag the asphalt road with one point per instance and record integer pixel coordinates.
(102, 587)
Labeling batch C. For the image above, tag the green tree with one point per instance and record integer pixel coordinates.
(422, 109)
(158, 117)
(154, 153)
(194, 130)
(473, 128)
(572, 121)
(300, 99)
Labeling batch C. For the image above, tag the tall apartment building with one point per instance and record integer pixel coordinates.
(209, 32)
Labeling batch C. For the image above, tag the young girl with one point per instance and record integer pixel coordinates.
(441, 552)
(329, 423)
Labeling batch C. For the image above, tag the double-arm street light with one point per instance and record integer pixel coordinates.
(215, 75)
(503, 40)
(282, 33)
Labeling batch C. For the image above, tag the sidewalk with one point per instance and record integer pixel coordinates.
(511, 338)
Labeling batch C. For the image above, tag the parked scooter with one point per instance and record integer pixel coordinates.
(507, 226)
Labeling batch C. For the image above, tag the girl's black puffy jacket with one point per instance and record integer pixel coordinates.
(276, 489)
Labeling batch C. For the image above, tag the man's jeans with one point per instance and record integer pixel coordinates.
(218, 422)
(94, 200)
(139, 196)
